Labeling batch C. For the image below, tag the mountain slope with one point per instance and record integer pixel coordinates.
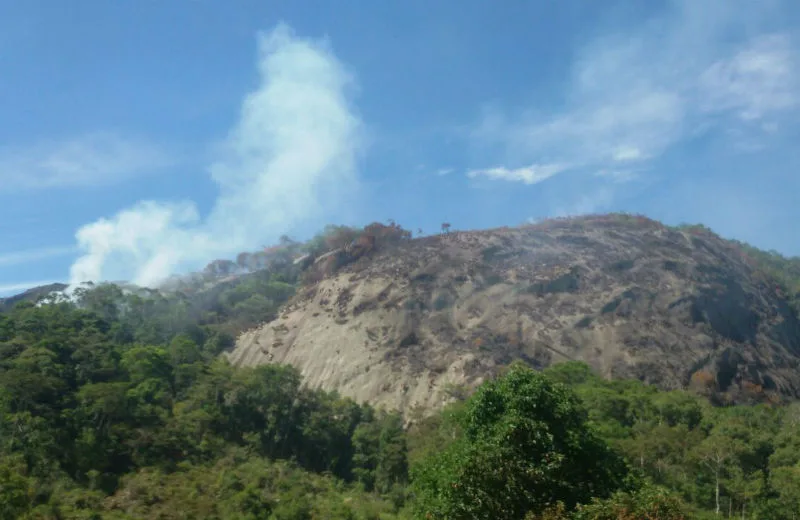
(404, 325)
(31, 295)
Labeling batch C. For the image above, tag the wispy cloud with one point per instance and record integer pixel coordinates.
(758, 81)
(33, 255)
(635, 95)
(291, 155)
(527, 175)
(90, 160)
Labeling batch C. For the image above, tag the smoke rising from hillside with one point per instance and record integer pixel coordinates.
(291, 153)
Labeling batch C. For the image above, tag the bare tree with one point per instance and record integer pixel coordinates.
(715, 453)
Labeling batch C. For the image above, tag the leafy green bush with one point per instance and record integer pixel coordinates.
(525, 443)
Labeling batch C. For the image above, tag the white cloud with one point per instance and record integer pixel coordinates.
(444, 171)
(627, 153)
(89, 160)
(633, 96)
(528, 175)
(291, 155)
(33, 255)
(759, 80)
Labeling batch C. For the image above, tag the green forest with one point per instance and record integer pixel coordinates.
(118, 405)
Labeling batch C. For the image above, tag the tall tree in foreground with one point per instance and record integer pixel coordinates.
(526, 445)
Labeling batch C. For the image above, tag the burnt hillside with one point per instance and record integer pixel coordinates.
(406, 323)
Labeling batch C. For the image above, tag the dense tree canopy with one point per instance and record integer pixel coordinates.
(111, 409)
(88, 412)
(525, 445)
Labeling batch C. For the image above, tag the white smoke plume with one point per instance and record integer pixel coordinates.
(292, 151)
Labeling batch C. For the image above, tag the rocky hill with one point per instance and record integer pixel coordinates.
(410, 323)
(31, 295)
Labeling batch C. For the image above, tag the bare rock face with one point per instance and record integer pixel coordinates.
(406, 325)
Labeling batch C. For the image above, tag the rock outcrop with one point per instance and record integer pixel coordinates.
(407, 325)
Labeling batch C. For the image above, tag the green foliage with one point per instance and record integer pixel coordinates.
(16, 491)
(526, 443)
(89, 418)
(210, 316)
(381, 453)
(95, 422)
(685, 455)
(241, 486)
(647, 503)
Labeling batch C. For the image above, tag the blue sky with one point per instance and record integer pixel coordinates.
(139, 139)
